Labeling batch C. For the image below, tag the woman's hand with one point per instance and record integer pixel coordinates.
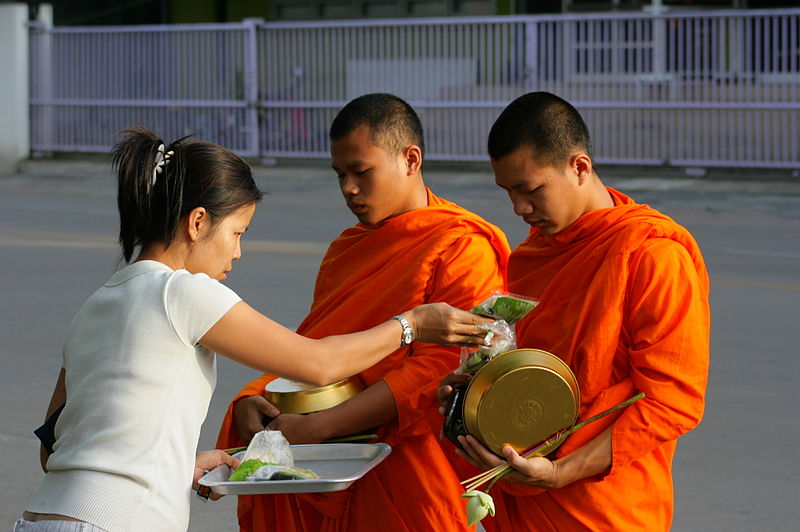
(439, 323)
(207, 460)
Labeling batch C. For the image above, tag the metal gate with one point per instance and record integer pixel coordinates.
(716, 88)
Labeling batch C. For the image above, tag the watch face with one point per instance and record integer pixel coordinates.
(408, 336)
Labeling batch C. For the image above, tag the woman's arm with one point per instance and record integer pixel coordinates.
(250, 338)
(57, 400)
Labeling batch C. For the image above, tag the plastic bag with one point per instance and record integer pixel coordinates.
(508, 307)
(500, 338)
(270, 447)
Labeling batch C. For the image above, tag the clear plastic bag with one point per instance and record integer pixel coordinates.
(500, 338)
(270, 447)
(505, 306)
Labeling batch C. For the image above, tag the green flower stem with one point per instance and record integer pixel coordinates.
(561, 435)
(354, 437)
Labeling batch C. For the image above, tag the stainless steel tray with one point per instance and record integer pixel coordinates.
(337, 464)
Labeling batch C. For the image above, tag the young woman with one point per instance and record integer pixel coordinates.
(139, 360)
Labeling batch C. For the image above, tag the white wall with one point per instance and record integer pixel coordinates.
(14, 113)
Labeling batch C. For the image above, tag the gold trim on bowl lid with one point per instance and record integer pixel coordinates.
(297, 398)
(520, 398)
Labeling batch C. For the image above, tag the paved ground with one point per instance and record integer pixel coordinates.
(737, 471)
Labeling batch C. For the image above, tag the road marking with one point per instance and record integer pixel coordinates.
(756, 253)
(766, 286)
(47, 239)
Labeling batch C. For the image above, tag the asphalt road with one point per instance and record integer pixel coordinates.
(736, 471)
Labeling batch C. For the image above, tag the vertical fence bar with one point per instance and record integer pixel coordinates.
(250, 37)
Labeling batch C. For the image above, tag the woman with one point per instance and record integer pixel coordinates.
(139, 360)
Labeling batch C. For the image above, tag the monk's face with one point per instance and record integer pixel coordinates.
(375, 183)
(545, 196)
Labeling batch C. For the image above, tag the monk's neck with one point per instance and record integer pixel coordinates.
(599, 197)
(417, 199)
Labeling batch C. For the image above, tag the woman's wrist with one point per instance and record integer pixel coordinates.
(411, 318)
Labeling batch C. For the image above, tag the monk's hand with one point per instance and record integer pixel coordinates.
(206, 461)
(537, 471)
(299, 428)
(439, 323)
(249, 415)
(445, 391)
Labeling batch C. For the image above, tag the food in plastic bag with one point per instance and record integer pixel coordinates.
(500, 338)
(269, 457)
(507, 307)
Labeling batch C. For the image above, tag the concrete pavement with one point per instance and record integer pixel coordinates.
(735, 472)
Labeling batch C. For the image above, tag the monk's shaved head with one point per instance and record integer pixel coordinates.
(543, 122)
(393, 124)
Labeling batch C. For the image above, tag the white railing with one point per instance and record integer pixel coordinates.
(715, 88)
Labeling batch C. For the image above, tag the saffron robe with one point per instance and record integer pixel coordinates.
(441, 252)
(624, 302)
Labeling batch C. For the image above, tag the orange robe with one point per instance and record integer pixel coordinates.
(369, 274)
(624, 302)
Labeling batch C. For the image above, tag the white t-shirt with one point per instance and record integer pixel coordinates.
(138, 389)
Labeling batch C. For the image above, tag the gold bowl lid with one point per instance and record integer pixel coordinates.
(520, 398)
(298, 398)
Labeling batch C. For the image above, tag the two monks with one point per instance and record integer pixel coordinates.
(623, 294)
(408, 247)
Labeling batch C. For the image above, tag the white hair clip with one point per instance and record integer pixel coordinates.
(162, 159)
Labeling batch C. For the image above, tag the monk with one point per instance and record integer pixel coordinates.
(623, 296)
(409, 246)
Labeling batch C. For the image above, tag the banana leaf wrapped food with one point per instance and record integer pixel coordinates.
(504, 307)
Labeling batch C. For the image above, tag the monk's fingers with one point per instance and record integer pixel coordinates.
(444, 396)
(454, 378)
(479, 455)
(538, 470)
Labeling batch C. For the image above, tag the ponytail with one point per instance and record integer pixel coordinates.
(159, 184)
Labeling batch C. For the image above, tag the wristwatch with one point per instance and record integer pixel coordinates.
(408, 333)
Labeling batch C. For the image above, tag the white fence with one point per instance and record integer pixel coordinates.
(715, 88)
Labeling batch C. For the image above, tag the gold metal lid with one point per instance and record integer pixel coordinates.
(520, 398)
(298, 398)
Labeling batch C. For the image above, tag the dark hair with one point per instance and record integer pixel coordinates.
(542, 121)
(393, 124)
(196, 174)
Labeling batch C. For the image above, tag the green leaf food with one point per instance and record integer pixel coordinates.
(508, 308)
(245, 469)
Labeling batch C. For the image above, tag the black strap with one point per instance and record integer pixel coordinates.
(47, 432)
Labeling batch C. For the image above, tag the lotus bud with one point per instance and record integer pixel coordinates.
(479, 504)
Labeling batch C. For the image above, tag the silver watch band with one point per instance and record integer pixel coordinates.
(408, 333)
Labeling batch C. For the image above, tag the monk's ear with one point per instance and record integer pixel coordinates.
(413, 159)
(581, 164)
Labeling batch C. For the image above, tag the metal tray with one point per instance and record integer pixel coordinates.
(337, 464)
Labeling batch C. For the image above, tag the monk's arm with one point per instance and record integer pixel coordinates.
(371, 408)
(669, 322)
(464, 275)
